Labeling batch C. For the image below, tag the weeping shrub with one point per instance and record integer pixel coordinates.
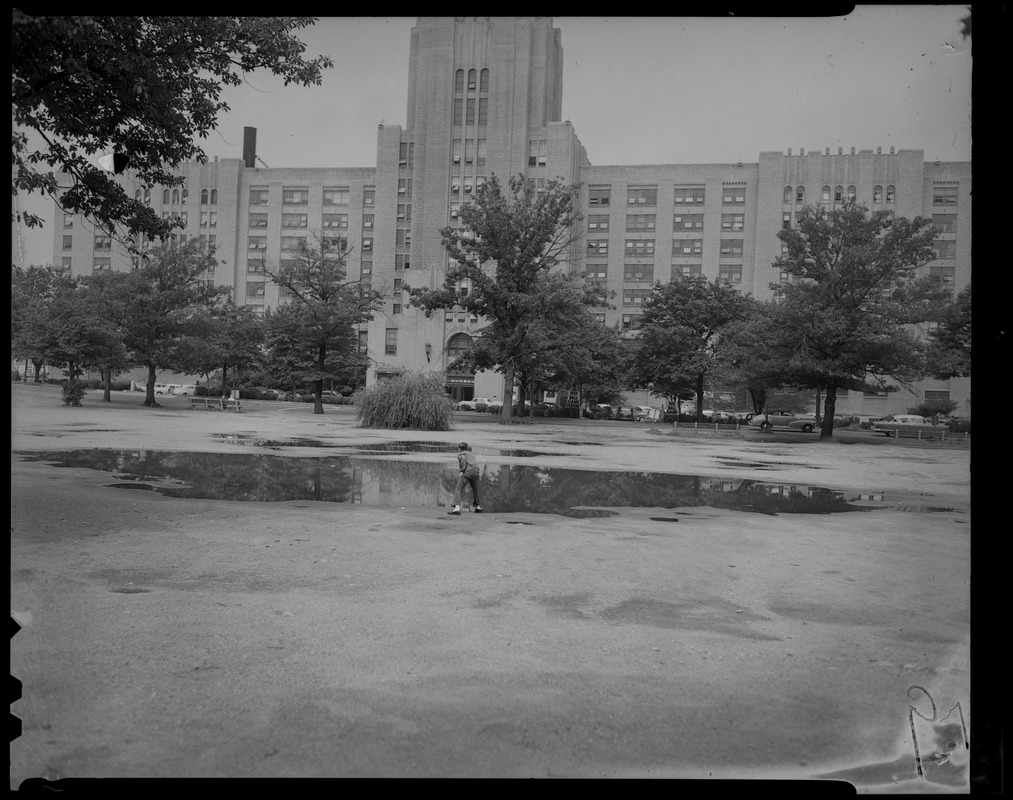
(414, 401)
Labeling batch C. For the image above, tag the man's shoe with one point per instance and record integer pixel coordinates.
(477, 509)
(455, 511)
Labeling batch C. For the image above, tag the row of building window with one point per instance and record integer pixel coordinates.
(648, 196)
(599, 248)
(472, 151)
(471, 111)
(680, 222)
(175, 196)
(942, 195)
(327, 221)
(476, 79)
(469, 186)
(293, 243)
(300, 196)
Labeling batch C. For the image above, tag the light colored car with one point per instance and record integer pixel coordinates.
(905, 423)
(185, 390)
(469, 405)
(784, 420)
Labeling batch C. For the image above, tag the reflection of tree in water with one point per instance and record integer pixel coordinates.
(266, 478)
(225, 476)
(521, 488)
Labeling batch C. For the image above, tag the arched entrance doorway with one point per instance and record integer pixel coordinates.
(460, 384)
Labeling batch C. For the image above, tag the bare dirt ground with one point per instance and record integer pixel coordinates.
(167, 637)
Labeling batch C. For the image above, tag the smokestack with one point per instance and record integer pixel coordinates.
(250, 147)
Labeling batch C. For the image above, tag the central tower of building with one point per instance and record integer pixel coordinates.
(484, 98)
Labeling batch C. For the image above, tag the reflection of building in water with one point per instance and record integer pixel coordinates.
(712, 484)
(403, 483)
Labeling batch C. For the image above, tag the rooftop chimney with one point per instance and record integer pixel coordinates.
(250, 147)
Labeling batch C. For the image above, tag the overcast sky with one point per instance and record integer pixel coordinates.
(648, 90)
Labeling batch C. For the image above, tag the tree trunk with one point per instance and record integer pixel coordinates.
(225, 372)
(699, 396)
(818, 391)
(107, 379)
(829, 408)
(507, 415)
(149, 392)
(38, 370)
(318, 384)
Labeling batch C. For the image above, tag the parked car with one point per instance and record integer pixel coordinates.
(905, 423)
(166, 388)
(469, 405)
(184, 390)
(784, 420)
(743, 417)
(641, 413)
(721, 417)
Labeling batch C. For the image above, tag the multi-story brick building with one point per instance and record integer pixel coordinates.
(484, 98)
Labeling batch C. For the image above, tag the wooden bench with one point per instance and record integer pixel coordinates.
(229, 403)
(199, 402)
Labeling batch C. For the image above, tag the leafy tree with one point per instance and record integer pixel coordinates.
(163, 306)
(949, 351)
(234, 336)
(146, 87)
(57, 324)
(523, 232)
(315, 331)
(680, 338)
(846, 321)
(32, 290)
(595, 362)
(933, 408)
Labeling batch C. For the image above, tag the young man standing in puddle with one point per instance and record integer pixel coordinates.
(468, 464)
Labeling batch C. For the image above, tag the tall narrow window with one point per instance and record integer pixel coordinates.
(891, 193)
(214, 197)
(483, 111)
(469, 112)
(203, 197)
(483, 85)
(458, 111)
(469, 151)
(472, 78)
(165, 195)
(390, 345)
(459, 81)
(455, 154)
(481, 154)
(877, 194)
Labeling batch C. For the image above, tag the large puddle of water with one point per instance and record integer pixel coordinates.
(384, 482)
